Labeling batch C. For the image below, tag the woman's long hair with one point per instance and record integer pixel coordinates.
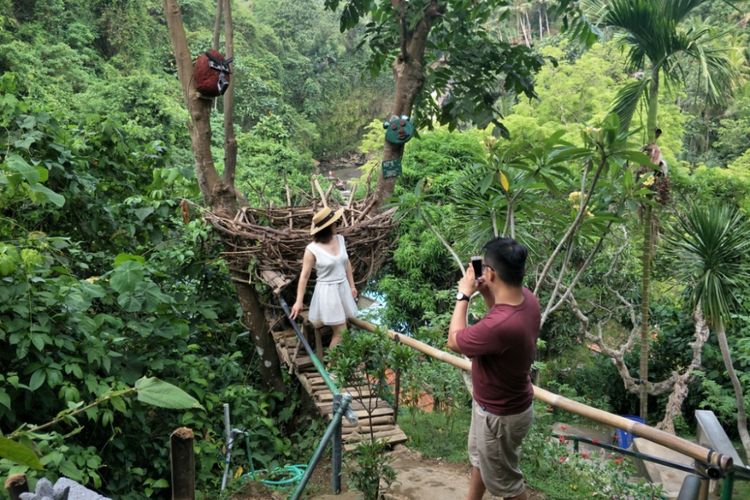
(324, 235)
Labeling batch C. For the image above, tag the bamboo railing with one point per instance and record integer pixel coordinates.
(716, 463)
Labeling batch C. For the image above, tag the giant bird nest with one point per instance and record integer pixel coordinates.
(268, 243)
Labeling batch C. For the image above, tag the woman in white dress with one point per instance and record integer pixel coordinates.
(333, 298)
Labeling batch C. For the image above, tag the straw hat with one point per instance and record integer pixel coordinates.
(324, 218)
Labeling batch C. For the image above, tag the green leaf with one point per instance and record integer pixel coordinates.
(142, 213)
(38, 340)
(208, 313)
(127, 257)
(130, 302)
(4, 399)
(156, 392)
(19, 453)
(28, 172)
(126, 276)
(37, 379)
(634, 156)
(161, 483)
(48, 195)
(69, 469)
(118, 404)
(8, 259)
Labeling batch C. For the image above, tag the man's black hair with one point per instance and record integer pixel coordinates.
(324, 235)
(508, 258)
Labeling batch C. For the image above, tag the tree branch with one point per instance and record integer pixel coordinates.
(230, 142)
(617, 356)
(217, 26)
(552, 308)
(403, 33)
(680, 390)
(573, 226)
(445, 243)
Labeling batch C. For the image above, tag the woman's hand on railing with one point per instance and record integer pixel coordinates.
(296, 308)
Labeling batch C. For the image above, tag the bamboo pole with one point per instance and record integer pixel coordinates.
(695, 451)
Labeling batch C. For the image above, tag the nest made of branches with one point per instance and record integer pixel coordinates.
(268, 243)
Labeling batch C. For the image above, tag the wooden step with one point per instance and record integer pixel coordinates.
(377, 412)
(283, 334)
(366, 429)
(326, 395)
(365, 421)
(380, 419)
(352, 440)
(326, 408)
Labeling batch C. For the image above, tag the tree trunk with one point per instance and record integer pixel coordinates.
(648, 252)
(409, 73)
(653, 106)
(523, 31)
(739, 396)
(528, 27)
(645, 283)
(217, 26)
(680, 389)
(219, 193)
(541, 28)
(255, 321)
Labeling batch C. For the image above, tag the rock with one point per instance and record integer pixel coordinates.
(64, 489)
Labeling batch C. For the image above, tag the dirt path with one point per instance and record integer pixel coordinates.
(422, 478)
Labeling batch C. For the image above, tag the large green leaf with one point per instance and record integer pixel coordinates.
(19, 453)
(125, 257)
(126, 276)
(156, 392)
(37, 379)
(4, 399)
(28, 172)
(47, 195)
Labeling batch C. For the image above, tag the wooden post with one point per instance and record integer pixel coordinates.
(16, 484)
(183, 464)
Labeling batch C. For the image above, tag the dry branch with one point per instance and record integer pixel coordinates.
(270, 241)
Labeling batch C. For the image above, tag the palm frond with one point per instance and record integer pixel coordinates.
(712, 245)
(627, 99)
(677, 10)
(718, 74)
(580, 20)
(644, 23)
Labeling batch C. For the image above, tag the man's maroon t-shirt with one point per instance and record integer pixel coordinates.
(502, 346)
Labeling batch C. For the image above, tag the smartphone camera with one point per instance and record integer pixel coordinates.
(476, 263)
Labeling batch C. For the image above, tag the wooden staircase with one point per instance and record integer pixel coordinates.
(373, 414)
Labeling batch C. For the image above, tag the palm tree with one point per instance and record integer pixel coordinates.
(712, 245)
(662, 47)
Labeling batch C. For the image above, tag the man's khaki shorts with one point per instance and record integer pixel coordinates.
(495, 448)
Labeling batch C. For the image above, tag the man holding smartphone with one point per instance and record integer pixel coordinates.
(502, 346)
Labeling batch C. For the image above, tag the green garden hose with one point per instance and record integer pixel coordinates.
(292, 474)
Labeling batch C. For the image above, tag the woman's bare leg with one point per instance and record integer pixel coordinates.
(337, 329)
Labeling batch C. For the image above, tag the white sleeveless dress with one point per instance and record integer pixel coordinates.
(332, 302)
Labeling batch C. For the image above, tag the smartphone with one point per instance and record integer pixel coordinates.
(476, 263)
